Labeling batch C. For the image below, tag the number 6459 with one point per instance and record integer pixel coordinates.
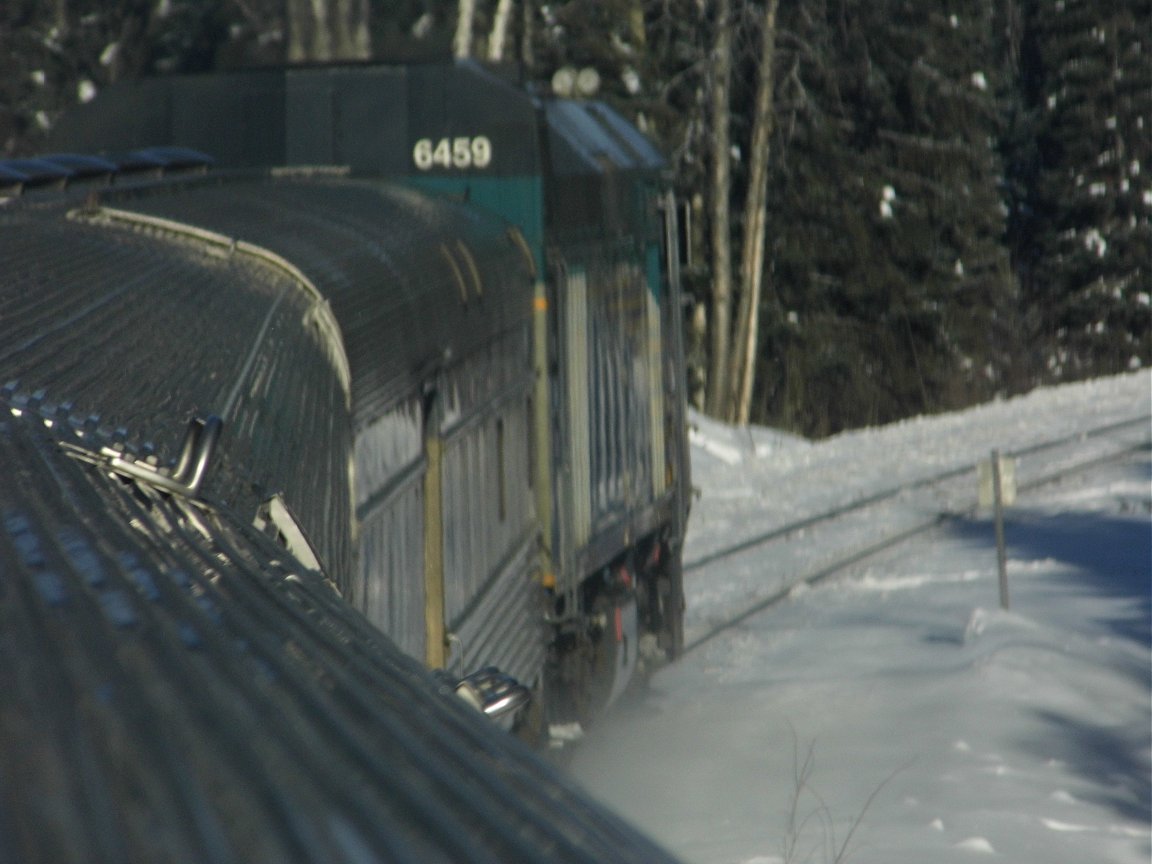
(461, 152)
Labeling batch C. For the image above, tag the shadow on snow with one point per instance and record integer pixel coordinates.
(1108, 556)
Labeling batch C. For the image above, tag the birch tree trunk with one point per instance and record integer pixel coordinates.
(528, 36)
(462, 42)
(743, 370)
(636, 23)
(717, 384)
(353, 41)
(499, 37)
(63, 21)
(323, 30)
(301, 30)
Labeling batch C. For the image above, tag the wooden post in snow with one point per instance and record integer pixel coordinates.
(998, 516)
(998, 490)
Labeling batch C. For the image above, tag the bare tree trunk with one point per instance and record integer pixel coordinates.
(697, 337)
(721, 237)
(320, 31)
(528, 37)
(353, 41)
(499, 37)
(636, 23)
(752, 253)
(63, 20)
(462, 42)
(299, 15)
(323, 30)
(308, 34)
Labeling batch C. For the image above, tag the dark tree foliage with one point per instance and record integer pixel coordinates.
(60, 53)
(960, 200)
(652, 57)
(893, 292)
(1081, 229)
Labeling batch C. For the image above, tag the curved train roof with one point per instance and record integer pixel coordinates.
(415, 282)
(136, 332)
(176, 685)
(325, 295)
(177, 688)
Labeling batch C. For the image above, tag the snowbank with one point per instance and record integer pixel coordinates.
(896, 712)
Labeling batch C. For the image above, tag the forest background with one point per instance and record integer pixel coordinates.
(891, 207)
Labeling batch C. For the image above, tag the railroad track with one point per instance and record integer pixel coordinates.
(909, 509)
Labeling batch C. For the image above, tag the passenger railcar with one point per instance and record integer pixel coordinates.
(395, 386)
(514, 486)
(175, 684)
(536, 476)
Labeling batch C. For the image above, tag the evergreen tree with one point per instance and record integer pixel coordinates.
(1082, 234)
(57, 54)
(904, 133)
(891, 278)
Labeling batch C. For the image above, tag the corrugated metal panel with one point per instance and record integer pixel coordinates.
(416, 285)
(143, 329)
(488, 511)
(488, 504)
(656, 396)
(579, 431)
(386, 449)
(376, 251)
(389, 584)
(503, 626)
(176, 688)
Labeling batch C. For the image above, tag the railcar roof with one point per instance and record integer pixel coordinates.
(176, 687)
(141, 332)
(415, 282)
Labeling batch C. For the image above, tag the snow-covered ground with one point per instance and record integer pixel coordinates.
(895, 713)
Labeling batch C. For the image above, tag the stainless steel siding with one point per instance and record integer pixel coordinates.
(389, 588)
(503, 627)
(389, 472)
(579, 431)
(656, 396)
(619, 358)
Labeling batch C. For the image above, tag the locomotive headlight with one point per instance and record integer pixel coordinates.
(569, 82)
(564, 81)
(587, 82)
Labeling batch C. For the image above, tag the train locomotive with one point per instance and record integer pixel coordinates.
(365, 380)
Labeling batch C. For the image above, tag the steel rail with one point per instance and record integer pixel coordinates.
(894, 492)
(815, 577)
(920, 527)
